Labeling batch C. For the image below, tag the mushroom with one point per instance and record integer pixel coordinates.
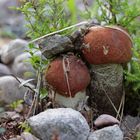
(105, 45)
(69, 77)
(106, 48)
(105, 120)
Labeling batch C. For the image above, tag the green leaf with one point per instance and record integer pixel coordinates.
(73, 10)
(25, 126)
(43, 93)
(15, 104)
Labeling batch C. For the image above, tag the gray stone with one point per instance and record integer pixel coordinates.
(107, 133)
(9, 89)
(9, 115)
(25, 136)
(16, 29)
(12, 50)
(28, 136)
(61, 123)
(105, 120)
(5, 116)
(7, 14)
(130, 125)
(12, 21)
(106, 81)
(4, 41)
(22, 68)
(55, 44)
(16, 138)
(4, 70)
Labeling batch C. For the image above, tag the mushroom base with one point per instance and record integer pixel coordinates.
(106, 81)
(71, 102)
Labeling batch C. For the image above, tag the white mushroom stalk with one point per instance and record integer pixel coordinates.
(71, 102)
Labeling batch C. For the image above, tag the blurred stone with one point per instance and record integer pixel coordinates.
(13, 115)
(4, 41)
(9, 89)
(16, 117)
(6, 13)
(107, 133)
(4, 70)
(8, 115)
(55, 45)
(16, 138)
(22, 68)
(60, 124)
(12, 21)
(28, 136)
(3, 116)
(12, 50)
(25, 136)
(130, 126)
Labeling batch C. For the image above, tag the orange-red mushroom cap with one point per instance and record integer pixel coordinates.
(78, 75)
(107, 45)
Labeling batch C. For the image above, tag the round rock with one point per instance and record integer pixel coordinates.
(107, 133)
(4, 70)
(9, 89)
(13, 49)
(105, 120)
(54, 45)
(12, 21)
(61, 123)
(22, 68)
(28, 136)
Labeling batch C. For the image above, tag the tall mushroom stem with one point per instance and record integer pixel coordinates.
(106, 88)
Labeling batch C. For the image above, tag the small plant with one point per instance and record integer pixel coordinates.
(45, 16)
(25, 126)
(15, 104)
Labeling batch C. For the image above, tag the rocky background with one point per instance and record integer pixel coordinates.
(70, 124)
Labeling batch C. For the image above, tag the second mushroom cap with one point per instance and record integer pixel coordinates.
(107, 45)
